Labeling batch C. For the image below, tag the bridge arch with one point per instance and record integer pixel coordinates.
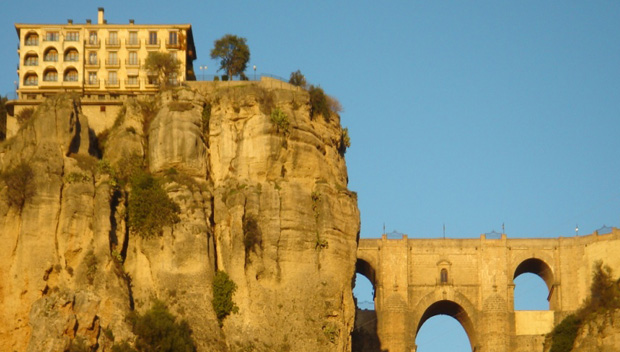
(543, 270)
(455, 305)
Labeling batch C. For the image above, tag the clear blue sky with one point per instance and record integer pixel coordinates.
(468, 114)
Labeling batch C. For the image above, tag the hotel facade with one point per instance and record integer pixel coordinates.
(102, 62)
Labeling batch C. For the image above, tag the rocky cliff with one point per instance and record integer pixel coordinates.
(262, 200)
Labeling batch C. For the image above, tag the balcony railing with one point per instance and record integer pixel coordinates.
(153, 44)
(132, 83)
(132, 63)
(173, 45)
(129, 44)
(92, 43)
(91, 63)
(112, 83)
(112, 63)
(32, 42)
(92, 83)
(112, 43)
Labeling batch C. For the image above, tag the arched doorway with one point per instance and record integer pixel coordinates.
(364, 335)
(533, 280)
(445, 325)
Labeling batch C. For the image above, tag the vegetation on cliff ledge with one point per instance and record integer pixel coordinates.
(604, 296)
(223, 290)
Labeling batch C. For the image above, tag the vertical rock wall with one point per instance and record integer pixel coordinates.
(267, 205)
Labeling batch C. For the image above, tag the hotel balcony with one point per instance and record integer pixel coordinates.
(112, 84)
(173, 45)
(132, 63)
(112, 63)
(92, 44)
(135, 44)
(112, 43)
(91, 64)
(132, 84)
(150, 44)
(91, 83)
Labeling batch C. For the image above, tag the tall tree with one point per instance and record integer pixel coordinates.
(164, 66)
(233, 53)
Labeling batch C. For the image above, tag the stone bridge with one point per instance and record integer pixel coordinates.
(472, 280)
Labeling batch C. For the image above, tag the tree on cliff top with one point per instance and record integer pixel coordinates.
(163, 66)
(233, 53)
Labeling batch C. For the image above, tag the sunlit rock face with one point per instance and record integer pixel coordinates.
(266, 204)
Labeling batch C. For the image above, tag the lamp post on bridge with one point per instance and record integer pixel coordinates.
(202, 70)
(255, 72)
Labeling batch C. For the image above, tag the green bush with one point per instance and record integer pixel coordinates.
(158, 331)
(223, 290)
(24, 116)
(252, 236)
(563, 335)
(76, 177)
(206, 117)
(280, 119)
(20, 183)
(345, 141)
(123, 347)
(318, 102)
(297, 79)
(149, 208)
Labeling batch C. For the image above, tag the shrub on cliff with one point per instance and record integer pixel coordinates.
(298, 79)
(158, 331)
(149, 208)
(223, 290)
(19, 181)
(280, 119)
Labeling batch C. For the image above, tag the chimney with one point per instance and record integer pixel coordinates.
(69, 21)
(131, 21)
(88, 21)
(100, 16)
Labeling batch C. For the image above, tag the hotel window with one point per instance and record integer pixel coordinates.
(50, 75)
(152, 79)
(92, 37)
(72, 55)
(113, 38)
(133, 58)
(153, 38)
(72, 36)
(444, 276)
(51, 36)
(32, 39)
(173, 79)
(112, 78)
(92, 78)
(31, 79)
(173, 38)
(31, 60)
(132, 80)
(113, 58)
(133, 38)
(71, 75)
(92, 57)
(51, 55)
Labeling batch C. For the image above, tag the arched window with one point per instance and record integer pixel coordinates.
(50, 75)
(444, 276)
(31, 59)
(72, 55)
(71, 75)
(31, 79)
(32, 38)
(51, 54)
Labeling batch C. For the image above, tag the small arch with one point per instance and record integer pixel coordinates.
(71, 55)
(31, 79)
(50, 75)
(71, 75)
(454, 310)
(50, 54)
(364, 334)
(31, 59)
(32, 38)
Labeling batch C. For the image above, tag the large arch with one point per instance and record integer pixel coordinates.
(540, 268)
(454, 310)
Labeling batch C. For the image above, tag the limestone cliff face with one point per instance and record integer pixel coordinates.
(70, 270)
(600, 334)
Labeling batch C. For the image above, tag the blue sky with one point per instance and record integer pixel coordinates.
(468, 114)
